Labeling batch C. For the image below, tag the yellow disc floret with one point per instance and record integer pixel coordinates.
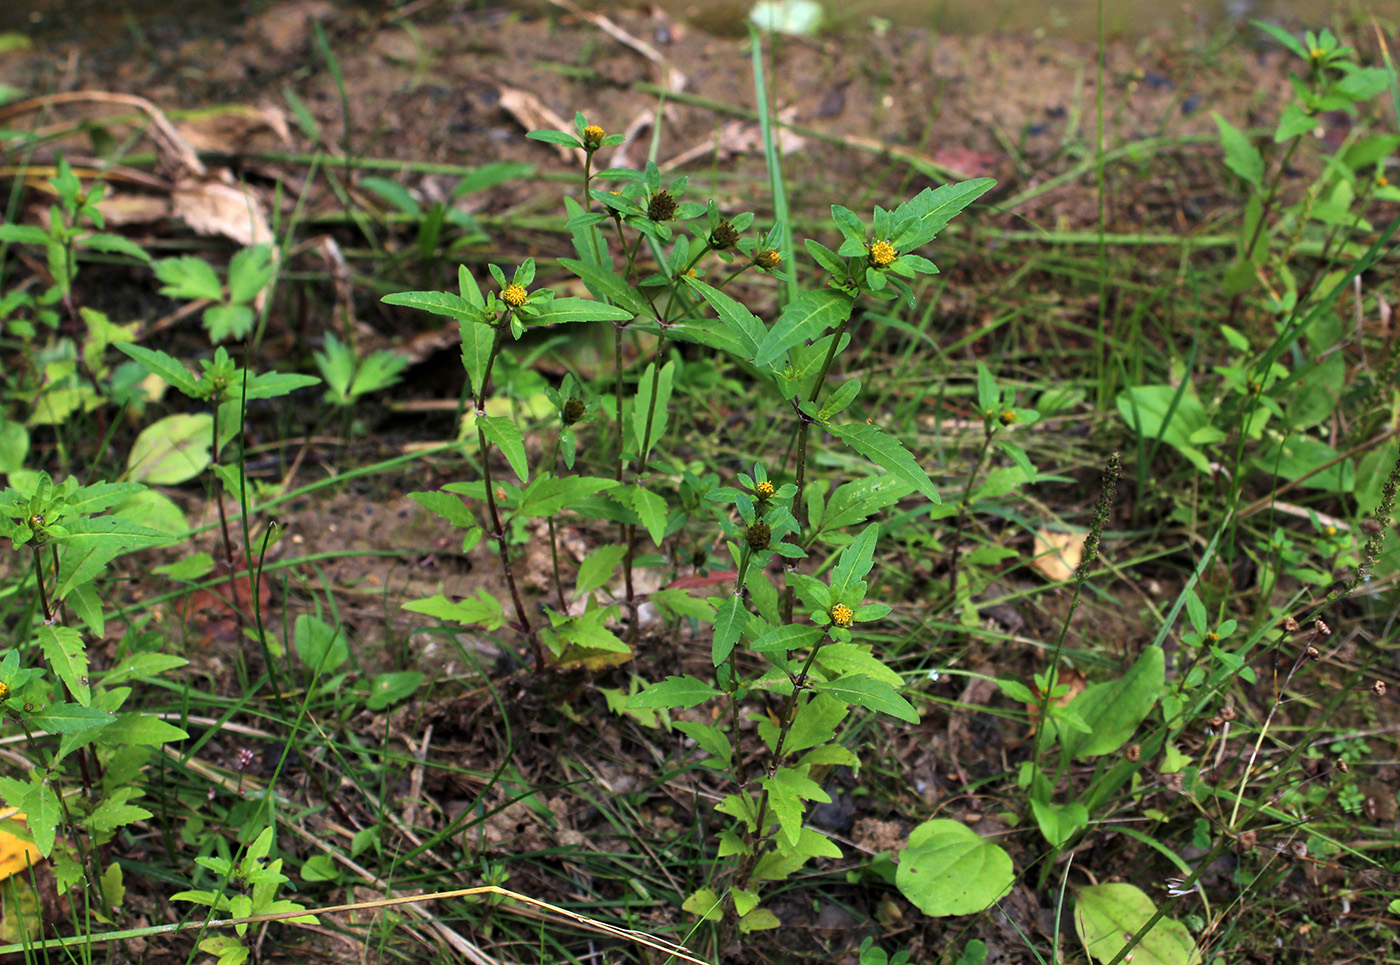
(764, 490)
(514, 295)
(882, 253)
(593, 137)
(842, 615)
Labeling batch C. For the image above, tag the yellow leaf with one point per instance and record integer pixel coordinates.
(1057, 554)
(16, 854)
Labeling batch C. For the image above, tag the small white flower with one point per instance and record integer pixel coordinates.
(1175, 889)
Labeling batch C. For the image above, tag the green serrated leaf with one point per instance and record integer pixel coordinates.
(110, 815)
(64, 651)
(563, 311)
(1241, 156)
(887, 452)
(659, 413)
(44, 811)
(742, 326)
(806, 318)
(789, 636)
(507, 437)
(549, 495)
(65, 718)
(649, 507)
(730, 620)
(709, 739)
(874, 694)
(163, 366)
(598, 567)
(440, 303)
(685, 691)
(447, 505)
(483, 609)
(931, 210)
(477, 344)
(189, 277)
(92, 543)
(142, 666)
(856, 559)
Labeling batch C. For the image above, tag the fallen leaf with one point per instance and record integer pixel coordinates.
(694, 581)
(531, 113)
(1056, 555)
(214, 206)
(16, 854)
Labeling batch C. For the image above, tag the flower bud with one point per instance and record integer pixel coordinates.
(758, 535)
(662, 207)
(724, 236)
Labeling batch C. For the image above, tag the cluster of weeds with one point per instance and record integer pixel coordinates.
(762, 611)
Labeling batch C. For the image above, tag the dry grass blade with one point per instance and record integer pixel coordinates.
(175, 152)
(675, 81)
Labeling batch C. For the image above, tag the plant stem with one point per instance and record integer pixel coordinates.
(964, 505)
(498, 531)
(788, 715)
(804, 423)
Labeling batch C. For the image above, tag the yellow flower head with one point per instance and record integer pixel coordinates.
(882, 253)
(842, 615)
(593, 137)
(764, 490)
(768, 259)
(1008, 417)
(514, 295)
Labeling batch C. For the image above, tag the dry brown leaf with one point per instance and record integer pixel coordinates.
(531, 113)
(176, 156)
(128, 208)
(229, 130)
(1057, 554)
(219, 207)
(675, 81)
(738, 137)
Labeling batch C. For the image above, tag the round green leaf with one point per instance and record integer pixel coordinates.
(173, 450)
(156, 510)
(947, 869)
(1105, 916)
(390, 688)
